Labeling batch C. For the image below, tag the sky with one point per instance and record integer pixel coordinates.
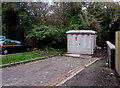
(50, 1)
(117, 0)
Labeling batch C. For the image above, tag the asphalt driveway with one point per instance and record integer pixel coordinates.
(97, 74)
(47, 72)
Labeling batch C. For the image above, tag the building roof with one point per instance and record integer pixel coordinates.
(81, 32)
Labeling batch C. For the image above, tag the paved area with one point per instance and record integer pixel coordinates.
(98, 74)
(95, 75)
(45, 72)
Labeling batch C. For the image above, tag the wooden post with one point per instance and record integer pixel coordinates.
(117, 52)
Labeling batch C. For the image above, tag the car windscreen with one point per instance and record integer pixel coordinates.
(1, 42)
(17, 42)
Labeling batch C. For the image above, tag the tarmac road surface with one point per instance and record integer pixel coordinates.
(48, 72)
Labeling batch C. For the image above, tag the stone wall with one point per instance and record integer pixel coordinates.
(111, 54)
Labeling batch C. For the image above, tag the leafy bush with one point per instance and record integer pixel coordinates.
(47, 36)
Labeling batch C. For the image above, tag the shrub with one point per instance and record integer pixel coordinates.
(47, 36)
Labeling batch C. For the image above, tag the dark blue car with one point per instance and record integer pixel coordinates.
(12, 46)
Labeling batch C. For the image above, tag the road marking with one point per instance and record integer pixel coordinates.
(54, 80)
(63, 81)
(80, 69)
(63, 78)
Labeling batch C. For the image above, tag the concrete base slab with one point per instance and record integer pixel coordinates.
(72, 55)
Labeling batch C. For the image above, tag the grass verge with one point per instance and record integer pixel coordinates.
(11, 58)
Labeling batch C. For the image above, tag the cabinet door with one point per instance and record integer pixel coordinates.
(68, 43)
(76, 44)
(73, 43)
(84, 45)
(80, 44)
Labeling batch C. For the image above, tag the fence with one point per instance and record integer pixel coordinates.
(117, 52)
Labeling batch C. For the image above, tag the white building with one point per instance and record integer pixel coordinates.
(81, 41)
